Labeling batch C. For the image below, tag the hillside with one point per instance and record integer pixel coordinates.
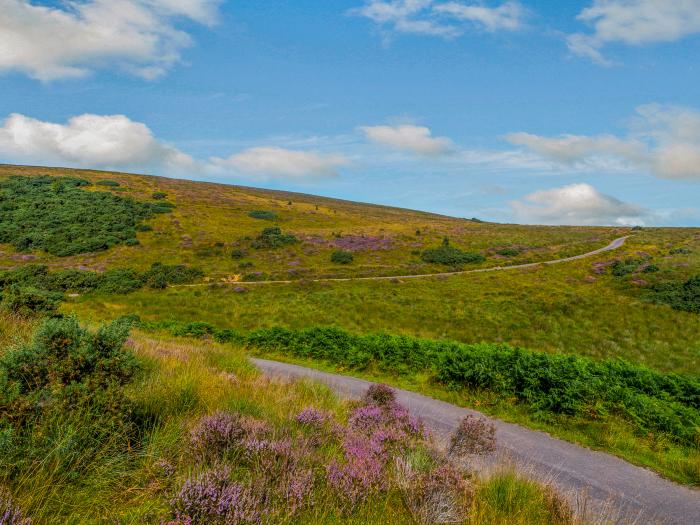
(188, 265)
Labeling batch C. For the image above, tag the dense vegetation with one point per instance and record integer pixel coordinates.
(342, 257)
(54, 214)
(262, 214)
(34, 289)
(546, 383)
(448, 255)
(683, 296)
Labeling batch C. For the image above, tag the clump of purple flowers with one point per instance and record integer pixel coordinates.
(312, 417)
(10, 513)
(213, 499)
(378, 429)
(475, 436)
(217, 433)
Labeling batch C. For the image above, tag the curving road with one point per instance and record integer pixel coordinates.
(614, 245)
(607, 480)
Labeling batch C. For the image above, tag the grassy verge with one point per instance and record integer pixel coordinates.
(646, 417)
(187, 403)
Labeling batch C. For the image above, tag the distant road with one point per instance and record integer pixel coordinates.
(606, 479)
(617, 243)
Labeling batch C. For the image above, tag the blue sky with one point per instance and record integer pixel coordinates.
(581, 112)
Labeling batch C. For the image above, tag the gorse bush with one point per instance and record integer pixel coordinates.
(629, 266)
(55, 215)
(342, 257)
(39, 280)
(448, 255)
(62, 397)
(28, 301)
(273, 238)
(108, 183)
(684, 296)
(262, 214)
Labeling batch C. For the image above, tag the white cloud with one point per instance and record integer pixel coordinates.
(634, 22)
(417, 139)
(274, 162)
(139, 36)
(577, 204)
(440, 18)
(663, 141)
(93, 141)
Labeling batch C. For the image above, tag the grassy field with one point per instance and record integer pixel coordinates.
(583, 307)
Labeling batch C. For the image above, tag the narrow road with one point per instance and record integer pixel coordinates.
(606, 479)
(614, 245)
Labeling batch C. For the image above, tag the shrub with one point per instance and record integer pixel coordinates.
(379, 395)
(27, 300)
(475, 436)
(439, 496)
(159, 195)
(55, 215)
(342, 257)
(215, 499)
(450, 256)
(273, 238)
(262, 214)
(161, 275)
(237, 254)
(684, 296)
(108, 183)
(508, 252)
(680, 251)
(216, 434)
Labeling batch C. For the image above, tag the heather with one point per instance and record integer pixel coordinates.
(57, 215)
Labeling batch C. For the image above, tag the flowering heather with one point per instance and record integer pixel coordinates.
(297, 490)
(312, 417)
(10, 513)
(215, 434)
(379, 395)
(214, 499)
(353, 243)
(475, 436)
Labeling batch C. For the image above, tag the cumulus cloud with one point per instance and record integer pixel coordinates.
(633, 22)
(274, 162)
(577, 204)
(440, 18)
(416, 139)
(663, 141)
(96, 141)
(139, 36)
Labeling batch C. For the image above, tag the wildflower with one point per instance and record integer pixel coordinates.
(312, 417)
(10, 513)
(216, 434)
(475, 436)
(213, 499)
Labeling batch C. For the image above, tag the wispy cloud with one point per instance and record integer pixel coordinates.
(663, 141)
(447, 19)
(635, 23)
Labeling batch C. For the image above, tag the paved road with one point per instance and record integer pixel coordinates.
(608, 480)
(617, 243)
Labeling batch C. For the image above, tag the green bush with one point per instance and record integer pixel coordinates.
(508, 252)
(262, 214)
(159, 195)
(273, 238)
(450, 256)
(108, 183)
(55, 215)
(237, 254)
(62, 398)
(683, 296)
(342, 257)
(27, 300)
